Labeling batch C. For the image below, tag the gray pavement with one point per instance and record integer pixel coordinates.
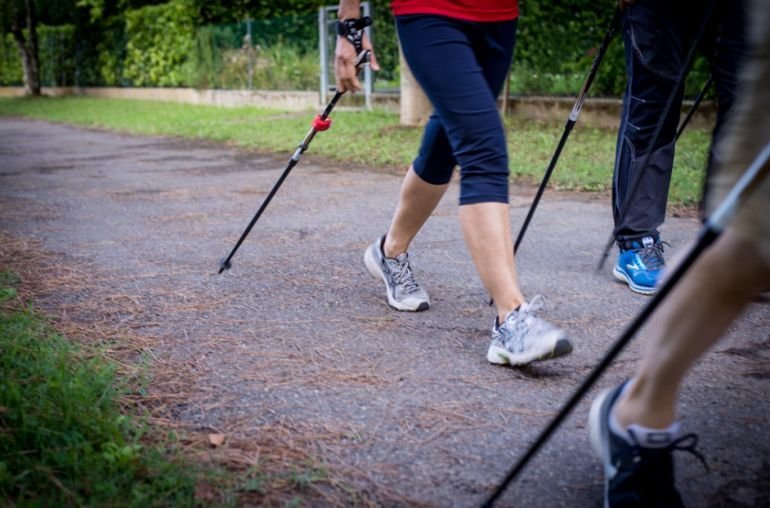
(299, 335)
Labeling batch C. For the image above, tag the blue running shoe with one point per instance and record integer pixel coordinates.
(637, 474)
(641, 266)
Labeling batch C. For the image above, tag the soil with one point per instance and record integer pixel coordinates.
(294, 354)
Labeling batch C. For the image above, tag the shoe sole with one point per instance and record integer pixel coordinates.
(623, 277)
(500, 356)
(374, 268)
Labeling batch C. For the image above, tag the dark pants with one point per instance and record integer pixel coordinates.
(461, 66)
(657, 35)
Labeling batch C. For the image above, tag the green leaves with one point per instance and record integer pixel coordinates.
(160, 42)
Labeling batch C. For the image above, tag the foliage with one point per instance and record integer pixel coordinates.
(283, 67)
(159, 44)
(57, 55)
(200, 43)
(557, 41)
(220, 63)
(386, 42)
(10, 63)
(586, 163)
(229, 11)
(63, 441)
(110, 54)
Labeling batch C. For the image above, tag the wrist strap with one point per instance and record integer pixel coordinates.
(353, 30)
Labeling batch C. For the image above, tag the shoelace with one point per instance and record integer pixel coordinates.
(537, 303)
(652, 256)
(402, 274)
(522, 322)
(686, 443)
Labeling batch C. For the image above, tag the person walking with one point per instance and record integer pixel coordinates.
(459, 52)
(633, 426)
(657, 35)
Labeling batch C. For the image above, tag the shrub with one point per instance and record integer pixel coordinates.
(159, 44)
(10, 63)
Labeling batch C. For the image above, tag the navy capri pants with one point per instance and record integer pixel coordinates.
(461, 66)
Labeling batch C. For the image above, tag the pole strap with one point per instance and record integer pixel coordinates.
(353, 30)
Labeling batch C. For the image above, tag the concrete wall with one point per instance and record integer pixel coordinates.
(268, 99)
(596, 112)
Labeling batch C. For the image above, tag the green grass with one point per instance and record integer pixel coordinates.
(370, 138)
(63, 440)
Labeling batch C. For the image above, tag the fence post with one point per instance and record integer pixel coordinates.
(415, 107)
(324, 54)
(250, 46)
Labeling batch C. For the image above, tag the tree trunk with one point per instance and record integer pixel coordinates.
(28, 49)
(415, 106)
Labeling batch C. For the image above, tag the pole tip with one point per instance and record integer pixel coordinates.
(224, 264)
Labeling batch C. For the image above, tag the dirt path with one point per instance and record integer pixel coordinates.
(297, 339)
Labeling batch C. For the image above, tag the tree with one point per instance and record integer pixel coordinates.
(22, 16)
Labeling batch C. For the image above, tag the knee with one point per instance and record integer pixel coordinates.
(485, 183)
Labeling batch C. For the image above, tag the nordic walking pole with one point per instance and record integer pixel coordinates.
(571, 121)
(694, 107)
(714, 226)
(320, 123)
(637, 177)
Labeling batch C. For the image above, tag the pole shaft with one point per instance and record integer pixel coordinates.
(571, 121)
(694, 107)
(363, 58)
(715, 225)
(292, 163)
(705, 239)
(543, 183)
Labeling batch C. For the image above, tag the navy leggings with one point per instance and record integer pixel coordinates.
(461, 66)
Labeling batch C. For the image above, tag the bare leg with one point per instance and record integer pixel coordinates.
(487, 231)
(416, 202)
(721, 282)
(486, 228)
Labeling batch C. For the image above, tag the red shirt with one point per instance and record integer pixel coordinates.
(471, 10)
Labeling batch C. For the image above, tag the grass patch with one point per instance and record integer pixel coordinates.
(71, 434)
(63, 440)
(371, 138)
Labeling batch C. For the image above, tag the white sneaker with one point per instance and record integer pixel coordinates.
(524, 338)
(403, 291)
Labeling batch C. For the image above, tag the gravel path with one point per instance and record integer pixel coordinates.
(298, 335)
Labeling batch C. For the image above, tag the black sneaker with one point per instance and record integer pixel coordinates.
(635, 476)
(403, 291)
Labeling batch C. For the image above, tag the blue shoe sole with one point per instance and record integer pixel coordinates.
(636, 288)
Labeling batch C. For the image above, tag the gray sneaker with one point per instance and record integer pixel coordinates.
(524, 338)
(403, 291)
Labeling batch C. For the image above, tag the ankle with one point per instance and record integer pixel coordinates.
(504, 310)
(642, 404)
(392, 249)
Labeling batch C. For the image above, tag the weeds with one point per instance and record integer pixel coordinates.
(63, 440)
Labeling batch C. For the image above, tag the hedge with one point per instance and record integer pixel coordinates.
(159, 44)
(167, 45)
